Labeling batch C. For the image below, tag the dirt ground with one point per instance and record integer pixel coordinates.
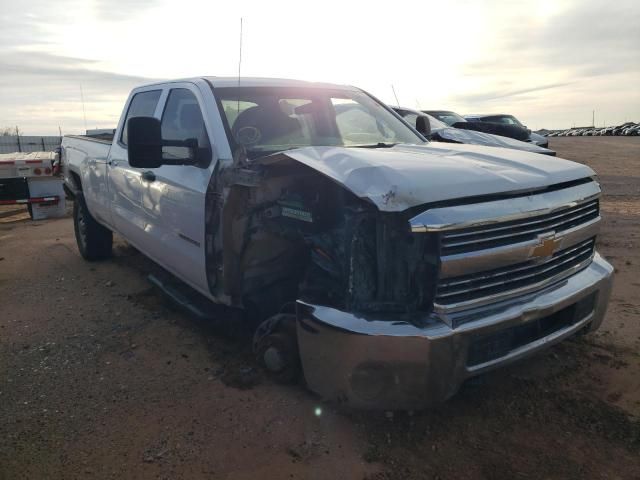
(100, 378)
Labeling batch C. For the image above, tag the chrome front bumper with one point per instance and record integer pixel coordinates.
(385, 362)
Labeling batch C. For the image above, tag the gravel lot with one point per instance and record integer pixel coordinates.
(100, 378)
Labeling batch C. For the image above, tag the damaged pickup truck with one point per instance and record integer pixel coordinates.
(385, 269)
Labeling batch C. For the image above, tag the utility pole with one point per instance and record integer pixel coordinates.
(18, 139)
(593, 118)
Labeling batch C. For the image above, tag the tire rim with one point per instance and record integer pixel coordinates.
(274, 360)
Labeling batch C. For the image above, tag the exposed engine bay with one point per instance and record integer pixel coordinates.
(289, 233)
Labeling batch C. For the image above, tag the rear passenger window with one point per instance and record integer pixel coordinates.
(142, 104)
(181, 122)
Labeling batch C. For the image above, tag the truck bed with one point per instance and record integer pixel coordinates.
(104, 140)
(78, 149)
(77, 152)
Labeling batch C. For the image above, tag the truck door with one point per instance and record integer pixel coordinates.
(173, 196)
(124, 181)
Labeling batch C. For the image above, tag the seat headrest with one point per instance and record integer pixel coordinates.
(264, 124)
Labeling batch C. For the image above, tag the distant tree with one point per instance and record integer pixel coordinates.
(9, 131)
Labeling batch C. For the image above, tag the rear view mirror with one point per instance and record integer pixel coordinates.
(144, 142)
(423, 126)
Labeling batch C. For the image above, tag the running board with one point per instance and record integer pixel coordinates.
(186, 298)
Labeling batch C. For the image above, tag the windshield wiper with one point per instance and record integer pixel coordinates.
(376, 145)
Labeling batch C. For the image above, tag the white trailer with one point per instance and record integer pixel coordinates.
(32, 179)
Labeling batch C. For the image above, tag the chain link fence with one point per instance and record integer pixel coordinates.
(14, 143)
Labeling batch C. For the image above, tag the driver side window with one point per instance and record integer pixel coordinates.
(182, 123)
(143, 104)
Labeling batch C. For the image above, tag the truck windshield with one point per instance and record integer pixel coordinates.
(506, 119)
(271, 119)
(445, 116)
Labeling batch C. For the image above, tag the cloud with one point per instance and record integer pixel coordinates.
(554, 67)
(52, 70)
(498, 94)
(40, 91)
(548, 59)
(115, 10)
(590, 38)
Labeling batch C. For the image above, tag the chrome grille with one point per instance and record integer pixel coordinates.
(506, 233)
(516, 279)
(503, 248)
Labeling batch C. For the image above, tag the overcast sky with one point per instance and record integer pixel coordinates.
(549, 62)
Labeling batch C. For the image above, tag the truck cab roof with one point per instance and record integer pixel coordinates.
(254, 82)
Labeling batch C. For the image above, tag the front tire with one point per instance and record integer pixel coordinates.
(94, 241)
(276, 348)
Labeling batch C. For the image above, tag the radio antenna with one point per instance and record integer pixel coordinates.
(394, 94)
(84, 113)
(239, 65)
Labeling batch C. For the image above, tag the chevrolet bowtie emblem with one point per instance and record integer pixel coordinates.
(547, 244)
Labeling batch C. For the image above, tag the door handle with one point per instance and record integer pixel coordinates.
(149, 176)
(113, 163)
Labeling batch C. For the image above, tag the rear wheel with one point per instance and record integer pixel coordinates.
(94, 241)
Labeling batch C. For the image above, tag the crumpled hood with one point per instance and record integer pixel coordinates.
(406, 176)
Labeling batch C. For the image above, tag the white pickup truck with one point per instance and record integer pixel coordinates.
(384, 268)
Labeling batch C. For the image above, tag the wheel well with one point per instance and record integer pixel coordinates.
(76, 181)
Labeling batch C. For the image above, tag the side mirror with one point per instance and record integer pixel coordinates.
(144, 140)
(423, 126)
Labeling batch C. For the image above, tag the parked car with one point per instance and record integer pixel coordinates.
(454, 120)
(504, 119)
(446, 116)
(441, 132)
(620, 128)
(628, 128)
(386, 268)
